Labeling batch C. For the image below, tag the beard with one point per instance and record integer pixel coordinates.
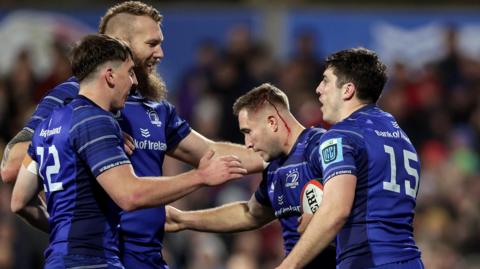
(150, 84)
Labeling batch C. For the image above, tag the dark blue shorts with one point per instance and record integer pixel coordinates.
(82, 262)
(410, 264)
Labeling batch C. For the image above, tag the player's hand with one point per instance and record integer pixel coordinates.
(303, 222)
(173, 221)
(217, 170)
(129, 145)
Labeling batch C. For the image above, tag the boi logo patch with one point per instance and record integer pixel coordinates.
(331, 151)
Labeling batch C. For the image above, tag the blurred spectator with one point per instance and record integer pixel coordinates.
(61, 70)
(449, 68)
(198, 80)
(6, 108)
(20, 84)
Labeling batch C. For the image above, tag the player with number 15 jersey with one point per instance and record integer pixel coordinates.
(379, 229)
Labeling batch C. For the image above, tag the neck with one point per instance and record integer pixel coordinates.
(292, 135)
(96, 94)
(350, 109)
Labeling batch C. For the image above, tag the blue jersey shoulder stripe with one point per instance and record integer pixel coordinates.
(89, 119)
(345, 131)
(96, 140)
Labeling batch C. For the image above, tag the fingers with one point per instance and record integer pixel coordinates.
(127, 149)
(172, 223)
(229, 158)
(238, 170)
(127, 137)
(168, 209)
(206, 159)
(234, 164)
(129, 145)
(209, 154)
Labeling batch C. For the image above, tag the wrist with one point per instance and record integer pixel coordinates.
(199, 177)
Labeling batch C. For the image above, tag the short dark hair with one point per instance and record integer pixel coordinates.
(94, 50)
(255, 98)
(363, 68)
(136, 8)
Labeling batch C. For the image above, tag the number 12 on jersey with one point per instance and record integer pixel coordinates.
(392, 185)
(50, 169)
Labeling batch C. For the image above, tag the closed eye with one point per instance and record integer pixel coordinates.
(245, 131)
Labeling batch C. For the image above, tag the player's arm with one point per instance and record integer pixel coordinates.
(131, 192)
(14, 154)
(195, 145)
(233, 217)
(338, 195)
(25, 201)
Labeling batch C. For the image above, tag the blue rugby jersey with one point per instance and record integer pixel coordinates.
(147, 160)
(55, 98)
(72, 146)
(370, 145)
(282, 185)
(156, 128)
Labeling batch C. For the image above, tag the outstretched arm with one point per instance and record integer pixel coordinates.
(195, 145)
(13, 155)
(131, 192)
(233, 217)
(338, 195)
(25, 201)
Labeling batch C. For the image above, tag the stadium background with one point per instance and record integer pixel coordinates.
(215, 51)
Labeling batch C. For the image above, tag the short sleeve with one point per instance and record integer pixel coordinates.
(336, 154)
(97, 139)
(261, 194)
(55, 98)
(313, 153)
(177, 128)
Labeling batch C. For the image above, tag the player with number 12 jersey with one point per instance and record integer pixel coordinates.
(379, 229)
(72, 147)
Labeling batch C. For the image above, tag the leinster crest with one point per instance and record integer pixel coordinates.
(154, 119)
(292, 179)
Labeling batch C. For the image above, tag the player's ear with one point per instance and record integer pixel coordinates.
(272, 123)
(109, 76)
(349, 90)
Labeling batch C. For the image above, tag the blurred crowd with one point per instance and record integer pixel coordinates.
(438, 106)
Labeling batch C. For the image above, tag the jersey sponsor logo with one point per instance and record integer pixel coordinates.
(49, 132)
(145, 133)
(154, 119)
(287, 210)
(292, 179)
(108, 166)
(149, 145)
(398, 134)
(331, 151)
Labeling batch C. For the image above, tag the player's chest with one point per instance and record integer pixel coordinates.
(285, 187)
(146, 126)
